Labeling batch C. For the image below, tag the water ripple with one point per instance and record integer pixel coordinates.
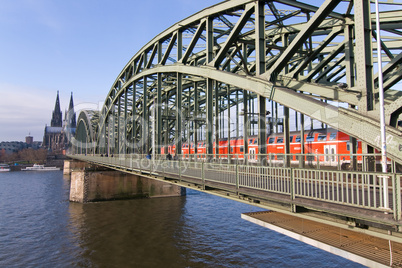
(39, 227)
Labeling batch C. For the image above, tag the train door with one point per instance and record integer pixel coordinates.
(330, 154)
(252, 155)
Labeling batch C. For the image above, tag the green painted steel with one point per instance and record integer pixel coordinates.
(195, 81)
(323, 49)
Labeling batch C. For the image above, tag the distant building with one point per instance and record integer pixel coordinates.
(9, 147)
(57, 136)
(31, 143)
(29, 140)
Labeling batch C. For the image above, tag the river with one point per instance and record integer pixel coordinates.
(39, 227)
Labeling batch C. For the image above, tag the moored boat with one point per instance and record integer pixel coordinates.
(4, 168)
(37, 167)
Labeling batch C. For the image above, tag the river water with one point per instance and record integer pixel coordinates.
(39, 227)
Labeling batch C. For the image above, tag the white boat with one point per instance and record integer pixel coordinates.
(37, 167)
(4, 168)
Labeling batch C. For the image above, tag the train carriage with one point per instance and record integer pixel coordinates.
(323, 146)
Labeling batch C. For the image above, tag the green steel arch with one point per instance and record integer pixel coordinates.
(317, 60)
(84, 140)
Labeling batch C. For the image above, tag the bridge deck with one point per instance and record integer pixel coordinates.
(373, 216)
(362, 248)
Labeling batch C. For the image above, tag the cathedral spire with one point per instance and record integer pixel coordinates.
(57, 116)
(71, 106)
(71, 120)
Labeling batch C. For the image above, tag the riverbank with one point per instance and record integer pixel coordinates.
(51, 161)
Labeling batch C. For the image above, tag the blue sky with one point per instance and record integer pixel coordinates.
(77, 46)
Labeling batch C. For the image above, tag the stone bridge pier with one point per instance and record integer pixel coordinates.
(91, 183)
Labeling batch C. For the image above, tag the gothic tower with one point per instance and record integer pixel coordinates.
(71, 118)
(57, 117)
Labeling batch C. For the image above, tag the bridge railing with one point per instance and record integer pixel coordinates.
(350, 188)
(356, 162)
(362, 189)
(308, 160)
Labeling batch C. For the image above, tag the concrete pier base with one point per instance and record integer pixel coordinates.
(70, 165)
(90, 183)
(90, 186)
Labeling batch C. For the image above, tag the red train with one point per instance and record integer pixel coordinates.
(320, 145)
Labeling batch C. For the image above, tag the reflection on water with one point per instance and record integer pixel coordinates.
(127, 232)
(39, 227)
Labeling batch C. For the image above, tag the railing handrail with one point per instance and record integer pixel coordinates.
(292, 178)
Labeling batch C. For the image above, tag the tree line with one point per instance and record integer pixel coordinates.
(28, 156)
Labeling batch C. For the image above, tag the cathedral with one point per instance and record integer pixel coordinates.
(58, 135)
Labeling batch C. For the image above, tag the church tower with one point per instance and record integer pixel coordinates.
(71, 118)
(57, 117)
(54, 138)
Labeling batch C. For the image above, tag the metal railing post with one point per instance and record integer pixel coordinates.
(180, 166)
(203, 175)
(292, 190)
(140, 161)
(237, 178)
(397, 196)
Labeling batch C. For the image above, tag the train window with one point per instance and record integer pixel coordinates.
(348, 146)
(333, 154)
(279, 140)
(192, 145)
(321, 137)
(310, 158)
(310, 138)
(255, 141)
(231, 149)
(241, 149)
(250, 141)
(271, 140)
(296, 139)
(332, 136)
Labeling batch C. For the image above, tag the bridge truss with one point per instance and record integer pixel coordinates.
(236, 68)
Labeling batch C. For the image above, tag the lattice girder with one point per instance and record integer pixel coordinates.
(302, 56)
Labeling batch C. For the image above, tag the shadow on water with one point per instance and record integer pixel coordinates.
(128, 233)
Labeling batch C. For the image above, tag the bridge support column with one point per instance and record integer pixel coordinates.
(70, 165)
(94, 185)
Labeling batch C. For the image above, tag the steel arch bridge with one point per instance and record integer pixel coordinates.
(229, 66)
